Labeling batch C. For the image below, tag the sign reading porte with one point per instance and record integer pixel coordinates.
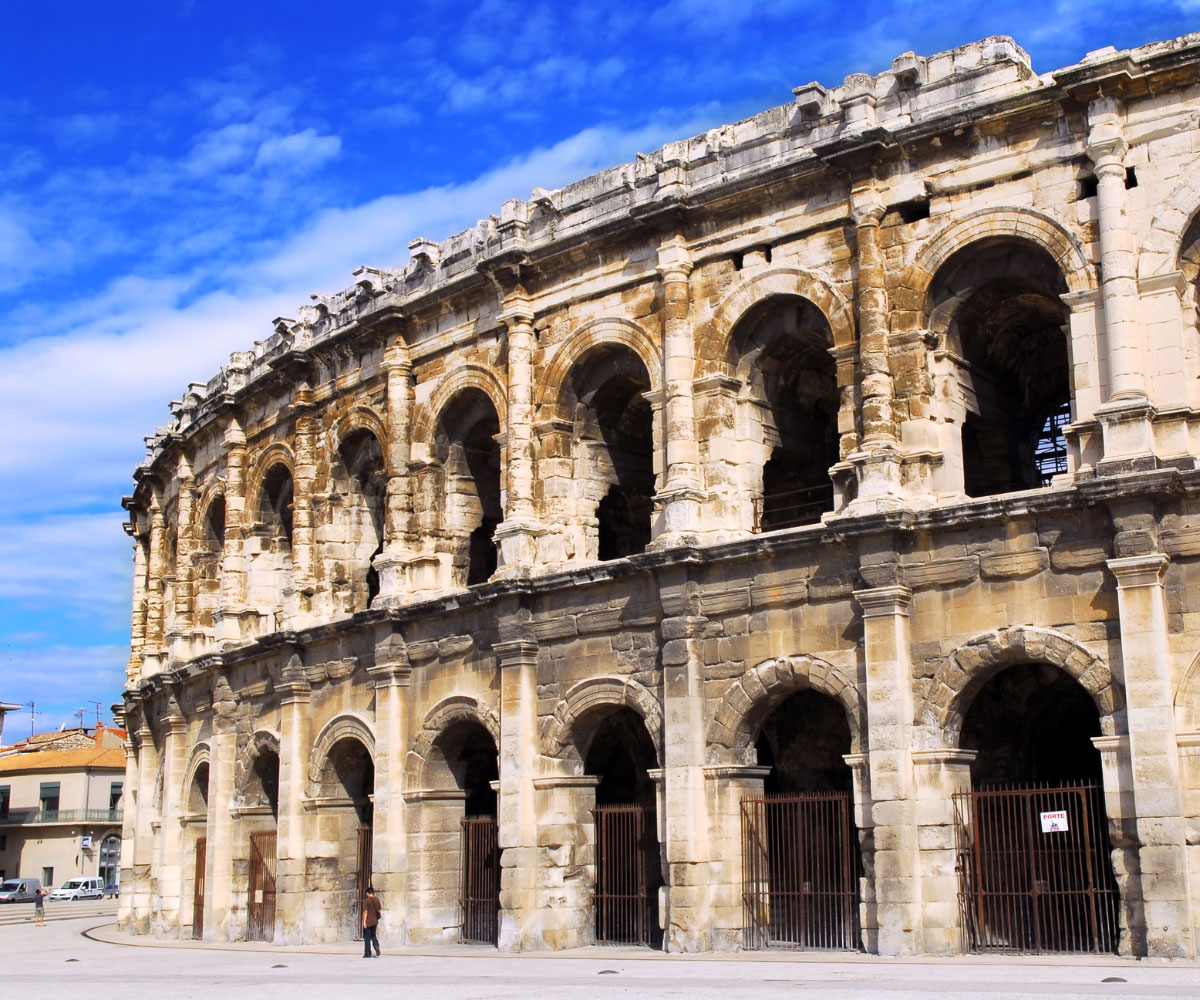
(1055, 822)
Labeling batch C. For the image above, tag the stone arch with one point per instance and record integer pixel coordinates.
(1187, 700)
(559, 737)
(988, 223)
(755, 694)
(277, 454)
(349, 724)
(779, 281)
(264, 740)
(1160, 252)
(961, 674)
(358, 418)
(469, 376)
(200, 755)
(597, 332)
(447, 712)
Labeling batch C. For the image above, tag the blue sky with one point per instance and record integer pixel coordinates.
(175, 175)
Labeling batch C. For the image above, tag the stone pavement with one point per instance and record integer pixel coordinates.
(81, 952)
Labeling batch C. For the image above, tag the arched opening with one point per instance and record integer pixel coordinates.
(361, 479)
(197, 808)
(780, 349)
(263, 786)
(998, 304)
(269, 547)
(260, 812)
(1037, 865)
(210, 548)
(614, 450)
(1189, 266)
(469, 455)
(628, 864)
(800, 849)
(345, 812)
(460, 851)
(110, 863)
(197, 800)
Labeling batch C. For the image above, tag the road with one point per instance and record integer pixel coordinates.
(41, 961)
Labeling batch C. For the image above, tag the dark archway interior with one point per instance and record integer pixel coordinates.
(608, 385)
(275, 503)
(470, 753)
(803, 741)
(266, 779)
(362, 465)
(1001, 301)
(620, 753)
(1032, 723)
(208, 559)
(467, 449)
(198, 793)
(354, 773)
(792, 373)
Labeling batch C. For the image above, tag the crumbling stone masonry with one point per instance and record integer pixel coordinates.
(850, 448)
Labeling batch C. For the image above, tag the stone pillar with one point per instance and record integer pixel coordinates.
(1154, 756)
(218, 882)
(228, 616)
(680, 495)
(137, 623)
(170, 867)
(517, 535)
(391, 563)
(565, 873)
(868, 915)
(877, 462)
(304, 481)
(154, 581)
(183, 621)
(390, 673)
(295, 741)
(939, 774)
(726, 785)
(143, 830)
(685, 816)
(129, 813)
(518, 819)
(887, 652)
(1126, 415)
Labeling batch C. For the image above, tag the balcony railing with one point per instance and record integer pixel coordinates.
(35, 817)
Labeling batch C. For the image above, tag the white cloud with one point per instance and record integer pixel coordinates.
(299, 151)
(60, 679)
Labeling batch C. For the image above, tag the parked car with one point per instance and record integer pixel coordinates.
(79, 888)
(19, 890)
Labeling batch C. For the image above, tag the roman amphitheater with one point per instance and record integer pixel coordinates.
(790, 539)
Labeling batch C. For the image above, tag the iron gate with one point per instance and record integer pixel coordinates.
(198, 888)
(362, 877)
(480, 899)
(626, 900)
(799, 871)
(261, 904)
(1034, 870)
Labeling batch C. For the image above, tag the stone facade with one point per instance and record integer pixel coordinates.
(852, 445)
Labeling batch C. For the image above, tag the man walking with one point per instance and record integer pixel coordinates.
(39, 907)
(372, 909)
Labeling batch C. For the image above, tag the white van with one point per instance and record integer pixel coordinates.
(19, 890)
(79, 888)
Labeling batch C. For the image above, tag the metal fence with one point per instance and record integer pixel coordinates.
(480, 898)
(198, 883)
(1034, 870)
(799, 872)
(624, 896)
(33, 817)
(792, 508)
(261, 904)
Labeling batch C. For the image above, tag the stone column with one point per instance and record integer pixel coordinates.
(887, 650)
(517, 535)
(143, 833)
(137, 623)
(170, 868)
(129, 814)
(157, 570)
(518, 819)
(877, 462)
(391, 563)
(295, 741)
(1126, 415)
(390, 673)
(183, 622)
(685, 815)
(1154, 755)
(726, 786)
(680, 495)
(228, 616)
(565, 875)
(304, 481)
(218, 882)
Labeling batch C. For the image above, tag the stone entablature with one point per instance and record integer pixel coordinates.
(878, 397)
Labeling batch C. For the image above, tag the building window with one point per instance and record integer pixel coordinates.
(48, 877)
(3, 841)
(115, 791)
(1050, 450)
(49, 798)
(5, 791)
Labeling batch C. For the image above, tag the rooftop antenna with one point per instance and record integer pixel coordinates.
(79, 713)
(97, 706)
(32, 715)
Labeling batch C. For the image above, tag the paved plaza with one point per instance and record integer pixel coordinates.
(81, 951)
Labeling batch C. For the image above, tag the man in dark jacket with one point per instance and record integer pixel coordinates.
(372, 909)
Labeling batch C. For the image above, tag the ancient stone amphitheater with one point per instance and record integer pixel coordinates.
(790, 539)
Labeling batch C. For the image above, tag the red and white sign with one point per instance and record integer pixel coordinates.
(1055, 822)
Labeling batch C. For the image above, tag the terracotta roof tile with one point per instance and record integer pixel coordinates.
(62, 760)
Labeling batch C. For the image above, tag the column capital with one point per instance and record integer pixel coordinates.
(866, 206)
(1139, 571)
(516, 652)
(674, 259)
(517, 310)
(881, 601)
